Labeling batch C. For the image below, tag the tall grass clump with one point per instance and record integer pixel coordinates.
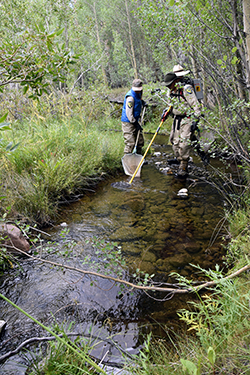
(239, 247)
(55, 158)
(61, 361)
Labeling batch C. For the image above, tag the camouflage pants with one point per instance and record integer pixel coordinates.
(130, 134)
(180, 139)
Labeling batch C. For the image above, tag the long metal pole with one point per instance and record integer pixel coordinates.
(152, 140)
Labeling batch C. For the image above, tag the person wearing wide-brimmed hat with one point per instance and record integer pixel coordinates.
(186, 110)
(130, 118)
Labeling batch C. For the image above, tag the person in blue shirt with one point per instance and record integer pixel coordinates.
(130, 118)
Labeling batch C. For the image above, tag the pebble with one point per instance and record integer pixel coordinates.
(183, 193)
(63, 224)
(167, 170)
(157, 154)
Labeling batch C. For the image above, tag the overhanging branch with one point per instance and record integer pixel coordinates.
(153, 288)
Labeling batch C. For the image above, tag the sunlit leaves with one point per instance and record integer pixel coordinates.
(32, 58)
(4, 125)
(3, 118)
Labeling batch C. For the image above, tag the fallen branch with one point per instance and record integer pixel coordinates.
(152, 288)
(33, 340)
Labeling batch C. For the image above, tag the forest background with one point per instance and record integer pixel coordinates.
(60, 63)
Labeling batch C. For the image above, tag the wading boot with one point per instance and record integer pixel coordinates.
(173, 161)
(183, 169)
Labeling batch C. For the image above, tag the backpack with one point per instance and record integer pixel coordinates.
(197, 86)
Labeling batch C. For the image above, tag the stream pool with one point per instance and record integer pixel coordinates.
(157, 232)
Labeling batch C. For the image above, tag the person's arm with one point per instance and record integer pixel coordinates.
(130, 109)
(192, 100)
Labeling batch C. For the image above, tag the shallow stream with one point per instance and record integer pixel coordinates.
(158, 232)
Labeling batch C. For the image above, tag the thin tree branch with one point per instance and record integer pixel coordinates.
(32, 340)
(135, 286)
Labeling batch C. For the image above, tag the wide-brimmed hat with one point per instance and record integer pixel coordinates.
(137, 85)
(169, 78)
(179, 71)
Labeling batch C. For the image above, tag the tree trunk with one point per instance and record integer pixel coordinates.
(240, 91)
(131, 42)
(99, 45)
(246, 22)
(194, 65)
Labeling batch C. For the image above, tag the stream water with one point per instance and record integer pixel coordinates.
(158, 232)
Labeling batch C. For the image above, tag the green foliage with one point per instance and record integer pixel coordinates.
(110, 255)
(60, 360)
(32, 59)
(189, 367)
(219, 318)
(211, 355)
(238, 248)
(6, 259)
(5, 126)
(122, 72)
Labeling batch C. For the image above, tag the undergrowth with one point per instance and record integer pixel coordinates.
(55, 160)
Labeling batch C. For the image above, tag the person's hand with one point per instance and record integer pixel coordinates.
(204, 157)
(194, 125)
(138, 126)
(144, 104)
(166, 113)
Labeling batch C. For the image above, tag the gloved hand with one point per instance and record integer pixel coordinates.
(205, 158)
(194, 125)
(144, 104)
(166, 113)
(202, 154)
(137, 126)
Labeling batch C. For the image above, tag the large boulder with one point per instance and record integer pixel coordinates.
(12, 238)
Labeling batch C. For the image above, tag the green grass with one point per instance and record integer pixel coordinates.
(61, 361)
(54, 159)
